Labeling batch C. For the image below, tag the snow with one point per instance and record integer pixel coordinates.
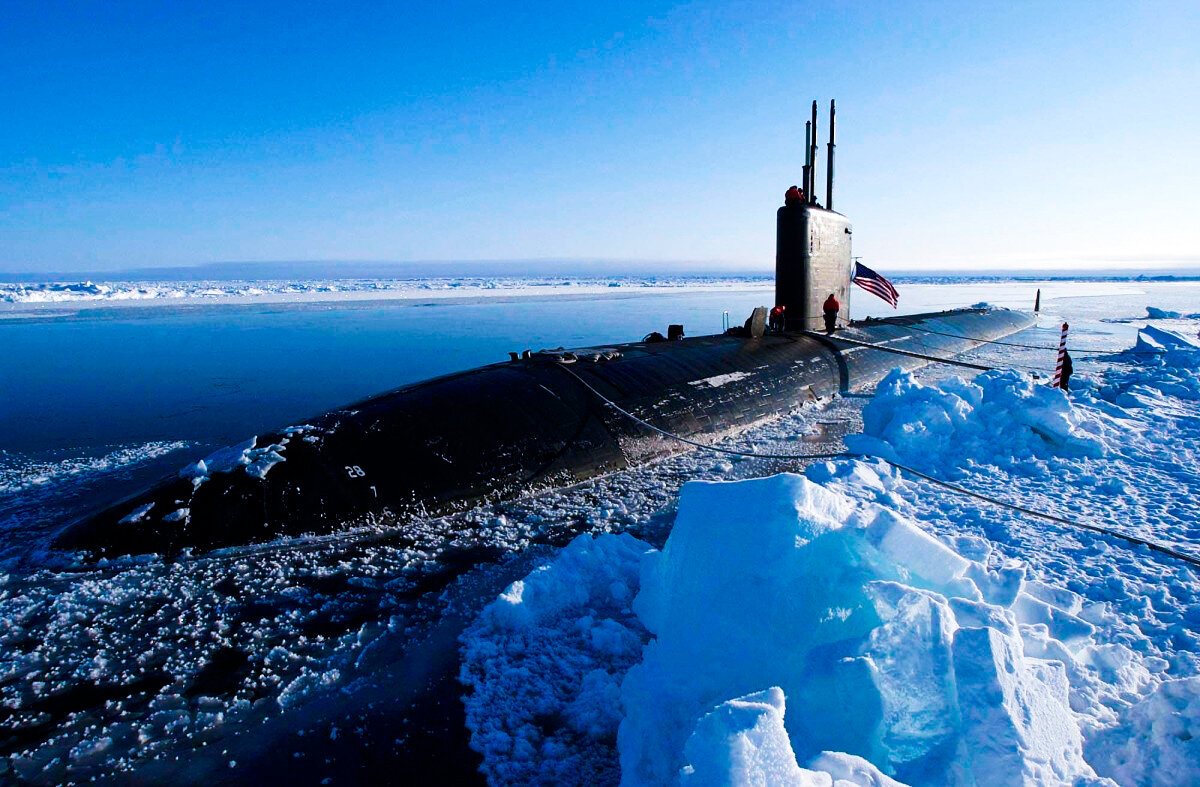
(553, 647)
(315, 618)
(1002, 418)
(717, 381)
(1157, 742)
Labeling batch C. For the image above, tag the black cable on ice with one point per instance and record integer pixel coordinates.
(1166, 550)
(897, 351)
(1162, 548)
(1008, 344)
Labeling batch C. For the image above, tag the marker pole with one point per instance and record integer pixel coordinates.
(1062, 356)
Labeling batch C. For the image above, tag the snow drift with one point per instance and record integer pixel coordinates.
(1001, 418)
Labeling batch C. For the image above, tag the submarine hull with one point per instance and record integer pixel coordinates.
(501, 431)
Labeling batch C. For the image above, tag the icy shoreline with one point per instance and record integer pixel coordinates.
(223, 291)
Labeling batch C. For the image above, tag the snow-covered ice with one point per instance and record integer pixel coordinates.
(853, 613)
(921, 601)
(783, 587)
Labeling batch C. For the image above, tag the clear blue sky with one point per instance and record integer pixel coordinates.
(970, 134)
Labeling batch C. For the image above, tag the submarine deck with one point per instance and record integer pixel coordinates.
(500, 431)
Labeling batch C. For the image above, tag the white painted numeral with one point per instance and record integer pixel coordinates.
(355, 471)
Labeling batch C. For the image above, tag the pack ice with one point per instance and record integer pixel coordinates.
(887, 644)
(895, 657)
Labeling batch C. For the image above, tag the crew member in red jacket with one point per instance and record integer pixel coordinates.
(776, 321)
(831, 309)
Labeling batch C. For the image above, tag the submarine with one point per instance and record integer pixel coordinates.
(547, 419)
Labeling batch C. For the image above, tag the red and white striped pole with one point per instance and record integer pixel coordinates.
(1062, 355)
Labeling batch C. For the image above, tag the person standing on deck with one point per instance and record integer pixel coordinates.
(831, 309)
(777, 322)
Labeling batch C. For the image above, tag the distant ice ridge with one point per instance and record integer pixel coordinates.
(68, 292)
(1154, 313)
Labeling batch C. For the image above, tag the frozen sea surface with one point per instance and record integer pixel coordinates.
(294, 660)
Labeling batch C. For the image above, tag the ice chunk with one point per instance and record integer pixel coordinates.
(260, 461)
(758, 525)
(856, 615)
(230, 458)
(178, 515)
(137, 514)
(999, 587)
(1017, 725)
(1152, 341)
(743, 742)
(194, 470)
(846, 769)
(1063, 626)
(910, 656)
(257, 461)
(915, 550)
(1062, 598)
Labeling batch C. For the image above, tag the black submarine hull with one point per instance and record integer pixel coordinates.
(505, 430)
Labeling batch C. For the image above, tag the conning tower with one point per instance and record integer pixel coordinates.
(812, 244)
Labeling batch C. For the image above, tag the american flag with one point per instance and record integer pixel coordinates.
(875, 284)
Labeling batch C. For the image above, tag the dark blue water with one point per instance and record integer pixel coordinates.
(87, 402)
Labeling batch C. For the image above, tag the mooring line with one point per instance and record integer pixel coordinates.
(1166, 550)
(1162, 548)
(890, 321)
(683, 439)
(909, 353)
